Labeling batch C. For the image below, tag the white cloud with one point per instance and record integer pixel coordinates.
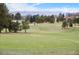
(20, 7)
(36, 4)
(32, 8)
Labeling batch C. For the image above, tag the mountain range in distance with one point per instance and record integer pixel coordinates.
(25, 13)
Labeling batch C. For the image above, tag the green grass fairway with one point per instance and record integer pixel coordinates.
(41, 39)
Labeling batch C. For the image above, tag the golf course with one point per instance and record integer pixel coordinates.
(42, 38)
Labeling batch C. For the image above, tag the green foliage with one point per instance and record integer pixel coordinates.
(18, 16)
(4, 18)
(25, 25)
(52, 19)
(60, 17)
(76, 20)
(41, 18)
(1, 28)
(70, 23)
(14, 26)
(64, 24)
(67, 23)
(57, 19)
(12, 16)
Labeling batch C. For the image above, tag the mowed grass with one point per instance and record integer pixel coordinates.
(43, 38)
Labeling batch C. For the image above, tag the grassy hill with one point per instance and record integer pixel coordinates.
(43, 38)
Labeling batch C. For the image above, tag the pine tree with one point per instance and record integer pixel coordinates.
(3, 16)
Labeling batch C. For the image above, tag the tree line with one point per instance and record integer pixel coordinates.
(7, 23)
(6, 20)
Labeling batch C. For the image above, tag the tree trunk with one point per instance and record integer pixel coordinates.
(15, 31)
(25, 30)
(34, 23)
(9, 30)
(6, 30)
(0, 30)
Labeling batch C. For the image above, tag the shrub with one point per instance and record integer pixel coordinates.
(25, 25)
(64, 24)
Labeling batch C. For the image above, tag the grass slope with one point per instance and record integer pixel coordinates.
(41, 39)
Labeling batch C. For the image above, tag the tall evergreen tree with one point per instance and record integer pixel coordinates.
(3, 16)
(60, 17)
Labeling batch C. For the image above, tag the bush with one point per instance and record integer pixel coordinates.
(70, 24)
(76, 20)
(14, 26)
(64, 24)
(25, 25)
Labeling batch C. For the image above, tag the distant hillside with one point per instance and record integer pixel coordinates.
(24, 13)
(73, 14)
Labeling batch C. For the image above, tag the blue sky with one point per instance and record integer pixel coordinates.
(51, 5)
(43, 8)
